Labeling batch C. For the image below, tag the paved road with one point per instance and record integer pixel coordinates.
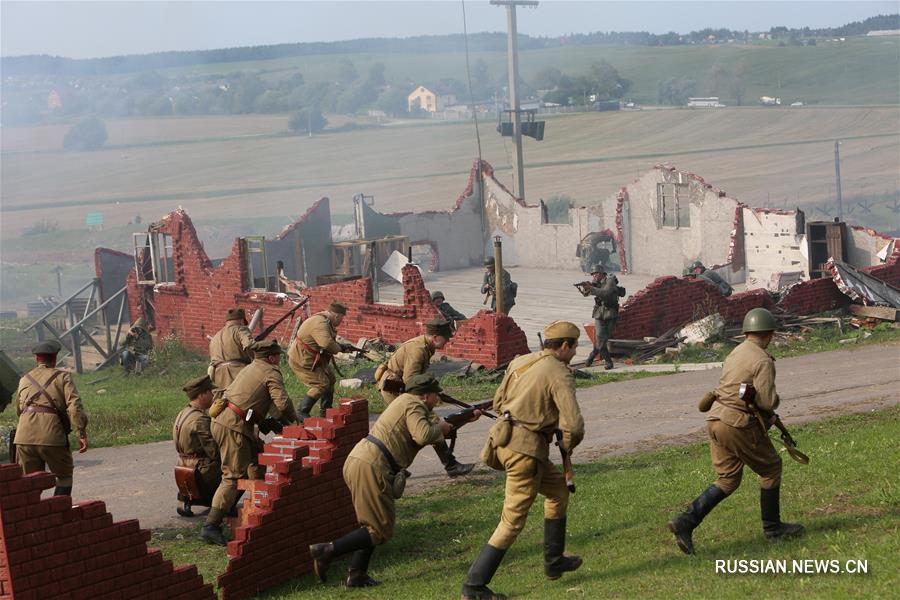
(136, 481)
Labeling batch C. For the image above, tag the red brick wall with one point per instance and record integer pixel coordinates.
(51, 549)
(672, 302)
(489, 338)
(302, 500)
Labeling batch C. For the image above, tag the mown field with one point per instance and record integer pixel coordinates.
(847, 497)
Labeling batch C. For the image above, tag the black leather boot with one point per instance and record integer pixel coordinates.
(607, 357)
(591, 357)
(358, 574)
(480, 574)
(212, 530)
(453, 467)
(325, 402)
(323, 554)
(684, 524)
(555, 562)
(770, 507)
(63, 490)
(304, 406)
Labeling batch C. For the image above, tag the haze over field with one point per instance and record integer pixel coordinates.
(221, 138)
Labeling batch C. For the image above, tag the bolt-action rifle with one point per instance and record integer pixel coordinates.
(268, 330)
(461, 417)
(747, 393)
(567, 462)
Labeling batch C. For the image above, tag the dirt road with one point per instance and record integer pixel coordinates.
(136, 481)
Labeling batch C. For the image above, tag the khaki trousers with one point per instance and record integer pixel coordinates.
(319, 381)
(373, 499)
(733, 447)
(239, 458)
(58, 459)
(526, 477)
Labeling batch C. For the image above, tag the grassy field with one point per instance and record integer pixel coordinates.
(848, 498)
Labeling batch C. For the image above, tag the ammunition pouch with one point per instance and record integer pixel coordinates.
(489, 456)
(498, 437)
(217, 407)
(706, 402)
(398, 475)
(398, 486)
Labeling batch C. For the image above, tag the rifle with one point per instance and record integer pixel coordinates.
(265, 332)
(747, 393)
(12, 446)
(487, 295)
(461, 417)
(567, 462)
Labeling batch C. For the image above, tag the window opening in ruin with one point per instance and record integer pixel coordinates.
(673, 205)
(255, 261)
(154, 258)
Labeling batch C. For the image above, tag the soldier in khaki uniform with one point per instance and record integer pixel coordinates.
(195, 444)
(311, 354)
(258, 388)
(412, 358)
(536, 398)
(229, 350)
(736, 438)
(370, 471)
(48, 407)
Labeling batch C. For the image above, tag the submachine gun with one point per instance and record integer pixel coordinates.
(747, 393)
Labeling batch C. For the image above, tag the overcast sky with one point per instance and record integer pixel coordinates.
(90, 29)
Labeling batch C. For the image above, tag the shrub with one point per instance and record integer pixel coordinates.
(87, 134)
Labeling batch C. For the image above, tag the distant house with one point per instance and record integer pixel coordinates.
(431, 99)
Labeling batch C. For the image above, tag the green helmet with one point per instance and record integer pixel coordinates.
(759, 320)
(489, 261)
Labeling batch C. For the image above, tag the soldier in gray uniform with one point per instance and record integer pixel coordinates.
(605, 289)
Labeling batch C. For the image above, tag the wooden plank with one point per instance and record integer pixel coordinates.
(885, 313)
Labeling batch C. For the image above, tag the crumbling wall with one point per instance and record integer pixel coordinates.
(304, 247)
(489, 338)
(658, 249)
(52, 549)
(528, 240)
(302, 500)
(864, 245)
(112, 267)
(774, 247)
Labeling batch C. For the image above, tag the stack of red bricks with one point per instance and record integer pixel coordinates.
(51, 549)
(302, 500)
(489, 338)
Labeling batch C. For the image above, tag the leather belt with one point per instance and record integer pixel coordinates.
(238, 410)
(191, 455)
(392, 462)
(746, 412)
(39, 409)
(234, 361)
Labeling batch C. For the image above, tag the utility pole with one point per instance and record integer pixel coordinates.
(837, 179)
(512, 51)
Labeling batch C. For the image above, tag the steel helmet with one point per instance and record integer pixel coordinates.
(489, 261)
(759, 320)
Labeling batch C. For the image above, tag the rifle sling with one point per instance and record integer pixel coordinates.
(387, 453)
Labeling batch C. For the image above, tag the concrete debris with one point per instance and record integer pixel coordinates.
(703, 330)
(351, 384)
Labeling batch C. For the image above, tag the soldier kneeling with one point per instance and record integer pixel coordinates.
(199, 468)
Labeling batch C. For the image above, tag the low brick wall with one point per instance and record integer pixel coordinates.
(51, 549)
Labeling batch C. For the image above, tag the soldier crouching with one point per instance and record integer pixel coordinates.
(375, 472)
(197, 450)
(736, 438)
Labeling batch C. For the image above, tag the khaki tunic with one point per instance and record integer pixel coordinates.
(40, 437)
(260, 387)
(193, 436)
(404, 427)
(538, 391)
(736, 437)
(411, 358)
(229, 352)
(317, 333)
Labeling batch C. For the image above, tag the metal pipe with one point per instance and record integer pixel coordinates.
(498, 275)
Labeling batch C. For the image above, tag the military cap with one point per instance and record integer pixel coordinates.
(561, 330)
(597, 268)
(423, 383)
(265, 348)
(197, 386)
(337, 308)
(47, 347)
(436, 296)
(438, 327)
(235, 313)
(489, 261)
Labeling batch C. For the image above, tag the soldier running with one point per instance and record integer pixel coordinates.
(311, 354)
(48, 406)
(375, 472)
(413, 358)
(256, 390)
(536, 398)
(736, 438)
(229, 351)
(195, 445)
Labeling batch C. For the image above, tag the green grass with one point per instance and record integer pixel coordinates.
(848, 498)
(820, 338)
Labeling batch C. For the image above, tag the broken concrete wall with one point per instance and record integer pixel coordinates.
(776, 250)
(303, 247)
(655, 247)
(112, 267)
(864, 246)
(530, 241)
